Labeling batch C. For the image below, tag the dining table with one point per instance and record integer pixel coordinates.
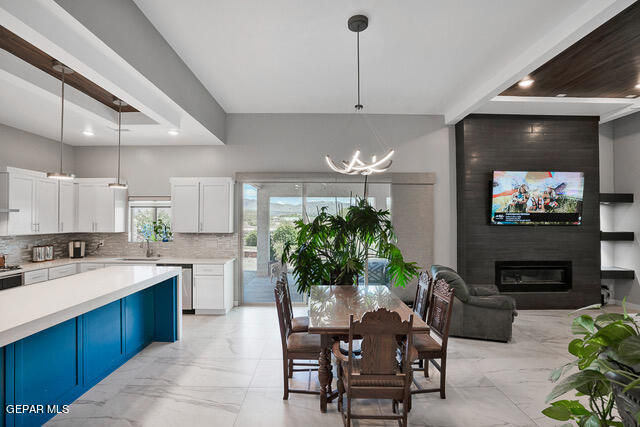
(330, 308)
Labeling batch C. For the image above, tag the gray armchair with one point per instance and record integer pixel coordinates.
(482, 312)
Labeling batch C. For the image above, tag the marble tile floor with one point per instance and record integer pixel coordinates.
(227, 371)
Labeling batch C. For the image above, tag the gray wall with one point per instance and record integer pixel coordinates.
(626, 151)
(29, 151)
(295, 143)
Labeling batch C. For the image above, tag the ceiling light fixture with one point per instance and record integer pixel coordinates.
(561, 95)
(119, 185)
(356, 166)
(60, 175)
(173, 132)
(526, 82)
(88, 132)
(631, 96)
(638, 86)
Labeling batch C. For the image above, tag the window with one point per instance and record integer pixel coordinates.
(143, 214)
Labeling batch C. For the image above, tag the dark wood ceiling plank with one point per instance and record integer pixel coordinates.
(41, 60)
(603, 64)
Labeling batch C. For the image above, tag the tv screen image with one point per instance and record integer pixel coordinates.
(537, 198)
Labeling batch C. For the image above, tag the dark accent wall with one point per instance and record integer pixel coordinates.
(485, 143)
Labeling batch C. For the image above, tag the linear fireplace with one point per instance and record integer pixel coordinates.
(533, 276)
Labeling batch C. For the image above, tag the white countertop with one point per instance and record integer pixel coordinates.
(31, 266)
(26, 310)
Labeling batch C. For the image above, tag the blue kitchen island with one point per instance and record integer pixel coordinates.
(61, 337)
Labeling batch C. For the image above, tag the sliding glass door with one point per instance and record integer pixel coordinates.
(269, 212)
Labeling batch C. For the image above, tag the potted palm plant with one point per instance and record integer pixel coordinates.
(334, 249)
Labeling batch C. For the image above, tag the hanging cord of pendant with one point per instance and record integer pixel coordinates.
(359, 105)
(62, 122)
(119, 133)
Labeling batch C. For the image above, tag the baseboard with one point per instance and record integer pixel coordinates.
(212, 312)
(628, 305)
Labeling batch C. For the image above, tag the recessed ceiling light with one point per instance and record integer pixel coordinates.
(88, 132)
(173, 132)
(561, 95)
(631, 96)
(638, 86)
(526, 82)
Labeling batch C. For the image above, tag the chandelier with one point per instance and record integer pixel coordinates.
(357, 166)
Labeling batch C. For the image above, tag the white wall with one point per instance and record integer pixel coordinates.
(607, 186)
(626, 150)
(122, 26)
(296, 143)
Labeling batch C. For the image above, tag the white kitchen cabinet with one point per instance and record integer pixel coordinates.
(32, 201)
(45, 205)
(21, 192)
(216, 205)
(36, 276)
(202, 205)
(208, 292)
(185, 194)
(62, 271)
(213, 288)
(67, 207)
(101, 209)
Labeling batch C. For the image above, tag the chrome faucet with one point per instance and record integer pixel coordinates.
(149, 250)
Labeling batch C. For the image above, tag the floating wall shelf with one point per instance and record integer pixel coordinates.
(625, 236)
(606, 198)
(617, 273)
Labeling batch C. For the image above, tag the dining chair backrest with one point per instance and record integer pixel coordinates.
(284, 319)
(440, 307)
(284, 278)
(382, 333)
(423, 295)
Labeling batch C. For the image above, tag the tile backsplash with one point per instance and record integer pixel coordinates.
(18, 248)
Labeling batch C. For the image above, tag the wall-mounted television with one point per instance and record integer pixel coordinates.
(537, 198)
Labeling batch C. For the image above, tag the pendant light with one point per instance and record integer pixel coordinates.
(356, 166)
(60, 175)
(118, 185)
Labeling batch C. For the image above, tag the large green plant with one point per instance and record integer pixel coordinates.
(608, 343)
(334, 248)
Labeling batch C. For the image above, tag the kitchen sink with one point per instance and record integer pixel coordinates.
(139, 259)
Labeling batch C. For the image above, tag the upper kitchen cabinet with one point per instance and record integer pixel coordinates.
(100, 209)
(202, 205)
(185, 196)
(68, 207)
(28, 202)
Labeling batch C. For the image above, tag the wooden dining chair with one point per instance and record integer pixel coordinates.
(423, 295)
(296, 346)
(421, 305)
(377, 374)
(427, 348)
(298, 323)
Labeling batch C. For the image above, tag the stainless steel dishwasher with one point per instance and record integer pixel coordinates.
(187, 284)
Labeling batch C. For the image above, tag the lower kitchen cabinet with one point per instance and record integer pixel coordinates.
(213, 288)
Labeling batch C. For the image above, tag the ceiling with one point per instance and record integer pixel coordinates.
(448, 58)
(604, 64)
(290, 56)
(41, 60)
